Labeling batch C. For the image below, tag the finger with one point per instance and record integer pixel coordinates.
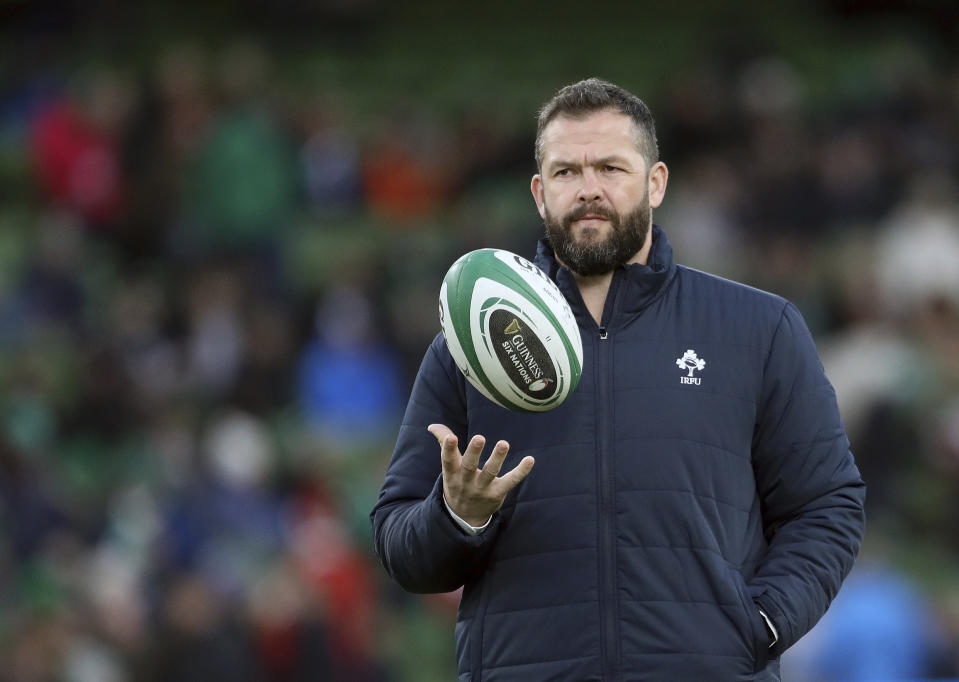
(472, 454)
(495, 462)
(512, 478)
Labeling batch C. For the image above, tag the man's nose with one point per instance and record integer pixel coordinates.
(589, 187)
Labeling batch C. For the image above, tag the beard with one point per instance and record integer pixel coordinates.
(590, 254)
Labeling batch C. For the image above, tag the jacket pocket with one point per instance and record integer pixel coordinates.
(475, 641)
(758, 636)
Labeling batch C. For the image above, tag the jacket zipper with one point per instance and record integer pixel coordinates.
(609, 638)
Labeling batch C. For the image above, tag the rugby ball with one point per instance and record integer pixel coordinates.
(510, 331)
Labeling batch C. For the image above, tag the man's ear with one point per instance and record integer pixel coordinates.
(536, 187)
(657, 179)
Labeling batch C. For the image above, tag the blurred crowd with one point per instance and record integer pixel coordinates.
(216, 287)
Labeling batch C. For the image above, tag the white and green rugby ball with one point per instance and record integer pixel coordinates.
(510, 331)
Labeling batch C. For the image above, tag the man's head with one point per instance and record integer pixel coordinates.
(599, 176)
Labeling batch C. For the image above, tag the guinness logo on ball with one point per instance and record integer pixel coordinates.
(522, 355)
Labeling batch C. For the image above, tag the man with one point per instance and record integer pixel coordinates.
(694, 505)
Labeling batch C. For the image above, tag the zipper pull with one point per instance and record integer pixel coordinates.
(603, 333)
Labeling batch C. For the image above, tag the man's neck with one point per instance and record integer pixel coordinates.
(594, 288)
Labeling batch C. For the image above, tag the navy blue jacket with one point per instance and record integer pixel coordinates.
(662, 513)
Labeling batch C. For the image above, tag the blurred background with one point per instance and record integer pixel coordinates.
(223, 226)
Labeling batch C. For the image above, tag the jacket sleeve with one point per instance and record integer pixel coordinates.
(811, 492)
(418, 542)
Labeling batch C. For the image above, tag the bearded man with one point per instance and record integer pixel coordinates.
(673, 529)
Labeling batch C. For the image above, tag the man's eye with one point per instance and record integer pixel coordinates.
(610, 169)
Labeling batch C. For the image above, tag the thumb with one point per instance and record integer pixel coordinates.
(449, 454)
(440, 432)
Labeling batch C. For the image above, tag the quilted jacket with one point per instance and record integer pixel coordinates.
(699, 473)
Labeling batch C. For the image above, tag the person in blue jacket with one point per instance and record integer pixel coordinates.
(694, 506)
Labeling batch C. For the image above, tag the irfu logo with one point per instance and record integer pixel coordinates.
(690, 362)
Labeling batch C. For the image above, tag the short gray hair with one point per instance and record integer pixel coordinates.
(589, 96)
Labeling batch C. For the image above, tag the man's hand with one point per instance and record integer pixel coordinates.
(475, 494)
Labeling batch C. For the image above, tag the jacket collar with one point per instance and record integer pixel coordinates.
(641, 284)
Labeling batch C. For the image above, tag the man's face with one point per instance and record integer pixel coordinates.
(588, 251)
(595, 193)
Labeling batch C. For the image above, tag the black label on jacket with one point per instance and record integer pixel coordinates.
(522, 355)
